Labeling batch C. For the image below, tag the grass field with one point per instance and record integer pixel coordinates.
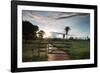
(77, 49)
(31, 49)
(80, 50)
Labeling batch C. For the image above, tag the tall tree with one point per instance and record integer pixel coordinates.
(41, 34)
(63, 36)
(67, 28)
(29, 30)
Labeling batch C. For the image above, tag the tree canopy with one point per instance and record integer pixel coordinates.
(41, 33)
(67, 28)
(29, 30)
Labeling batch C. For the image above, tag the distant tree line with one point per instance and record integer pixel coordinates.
(31, 31)
(67, 28)
(75, 38)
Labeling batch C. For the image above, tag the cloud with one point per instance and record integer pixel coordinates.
(57, 21)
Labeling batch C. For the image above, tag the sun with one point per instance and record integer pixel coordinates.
(47, 35)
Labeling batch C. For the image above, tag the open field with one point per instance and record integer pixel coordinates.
(77, 49)
(36, 50)
(31, 50)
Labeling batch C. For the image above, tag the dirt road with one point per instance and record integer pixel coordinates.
(56, 54)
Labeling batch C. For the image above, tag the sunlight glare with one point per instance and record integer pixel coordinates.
(47, 35)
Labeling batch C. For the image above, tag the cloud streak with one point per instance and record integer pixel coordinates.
(51, 21)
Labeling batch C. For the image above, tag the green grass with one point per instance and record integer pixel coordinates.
(77, 49)
(80, 50)
(27, 51)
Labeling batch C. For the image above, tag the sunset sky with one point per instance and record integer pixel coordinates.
(52, 22)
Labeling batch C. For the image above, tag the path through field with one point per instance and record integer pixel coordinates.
(56, 54)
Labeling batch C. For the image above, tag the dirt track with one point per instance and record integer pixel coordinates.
(57, 54)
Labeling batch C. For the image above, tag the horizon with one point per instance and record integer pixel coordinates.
(50, 22)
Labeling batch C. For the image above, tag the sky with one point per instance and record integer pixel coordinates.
(55, 22)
